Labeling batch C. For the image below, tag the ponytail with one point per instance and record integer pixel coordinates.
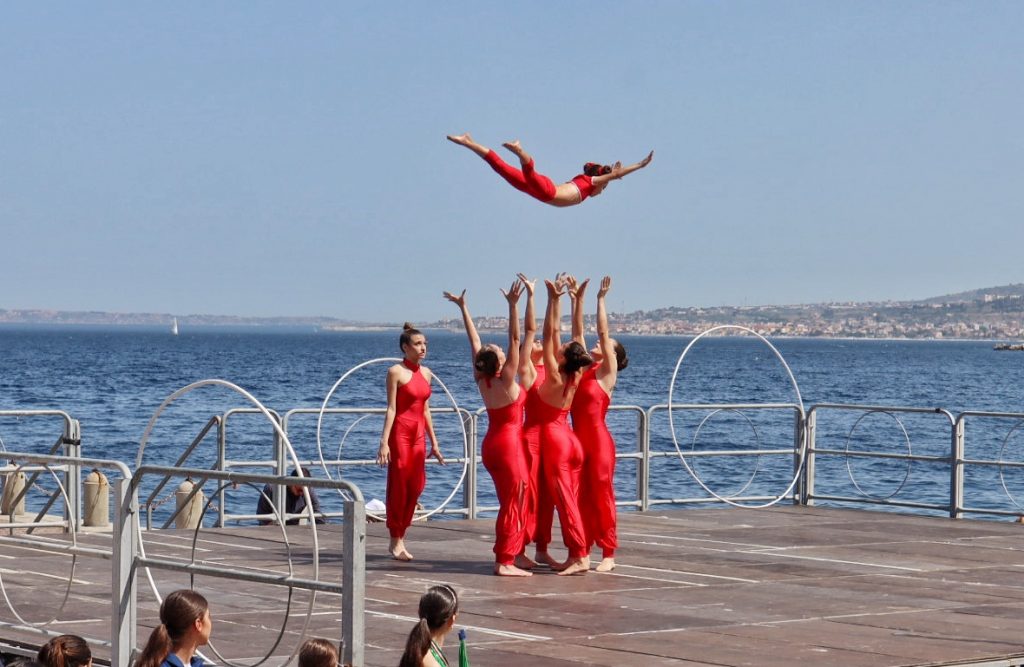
(65, 651)
(437, 607)
(417, 645)
(178, 613)
(157, 648)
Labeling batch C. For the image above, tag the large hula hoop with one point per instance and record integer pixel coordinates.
(799, 400)
(295, 462)
(74, 561)
(462, 424)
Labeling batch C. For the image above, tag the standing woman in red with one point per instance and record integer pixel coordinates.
(562, 457)
(589, 409)
(502, 447)
(403, 447)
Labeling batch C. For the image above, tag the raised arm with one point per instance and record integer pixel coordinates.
(508, 372)
(551, 327)
(467, 322)
(618, 171)
(576, 292)
(527, 373)
(609, 363)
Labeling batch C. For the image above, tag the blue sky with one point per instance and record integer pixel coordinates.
(289, 159)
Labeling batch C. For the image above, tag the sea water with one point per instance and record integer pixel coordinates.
(113, 380)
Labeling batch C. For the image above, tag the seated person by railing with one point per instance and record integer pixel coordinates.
(294, 501)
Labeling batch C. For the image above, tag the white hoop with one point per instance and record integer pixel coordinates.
(757, 438)
(849, 470)
(295, 462)
(799, 400)
(451, 399)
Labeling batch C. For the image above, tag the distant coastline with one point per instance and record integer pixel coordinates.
(990, 314)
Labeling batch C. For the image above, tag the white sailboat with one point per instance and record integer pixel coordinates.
(174, 327)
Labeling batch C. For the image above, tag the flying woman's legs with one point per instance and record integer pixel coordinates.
(527, 180)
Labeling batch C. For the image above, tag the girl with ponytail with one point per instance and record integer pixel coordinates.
(438, 608)
(65, 651)
(502, 447)
(185, 625)
(562, 454)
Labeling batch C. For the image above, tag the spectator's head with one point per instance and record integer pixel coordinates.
(65, 651)
(318, 653)
(438, 608)
(184, 621)
(296, 489)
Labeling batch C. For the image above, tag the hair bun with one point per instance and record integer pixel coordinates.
(407, 326)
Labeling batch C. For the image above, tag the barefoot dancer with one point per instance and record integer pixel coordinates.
(563, 455)
(588, 184)
(402, 446)
(589, 409)
(539, 510)
(502, 447)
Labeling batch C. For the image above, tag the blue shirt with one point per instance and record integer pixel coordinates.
(174, 661)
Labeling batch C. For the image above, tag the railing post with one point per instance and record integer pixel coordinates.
(807, 480)
(641, 438)
(469, 490)
(222, 457)
(645, 462)
(123, 594)
(73, 479)
(956, 469)
(354, 584)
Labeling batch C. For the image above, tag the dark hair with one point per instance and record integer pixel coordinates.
(305, 472)
(408, 331)
(437, 606)
(576, 357)
(318, 653)
(65, 651)
(486, 362)
(178, 613)
(621, 358)
(595, 169)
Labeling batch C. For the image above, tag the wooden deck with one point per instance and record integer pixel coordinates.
(784, 586)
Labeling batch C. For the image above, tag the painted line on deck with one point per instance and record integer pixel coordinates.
(819, 559)
(4, 570)
(475, 628)
(683, 573)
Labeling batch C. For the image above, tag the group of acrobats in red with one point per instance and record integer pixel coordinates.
(539, 463)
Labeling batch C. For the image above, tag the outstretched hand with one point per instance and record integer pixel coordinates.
(606, 284)
(554, 288)
(515, 290)
(527, 283)
(647, 160)
(459, 300)
(576, 289)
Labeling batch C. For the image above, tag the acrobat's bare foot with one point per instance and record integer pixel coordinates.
(398, 550)
(544, 558)
(524, 157)
(606, 565)
(510, 571)
(461, 139)
(575, 566)
(524, 562)
(467, 141)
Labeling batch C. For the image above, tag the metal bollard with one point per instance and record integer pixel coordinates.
(188, 517)
(97, 500)
(14, 484)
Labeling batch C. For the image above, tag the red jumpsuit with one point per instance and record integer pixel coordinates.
(597, 489)
(407, 446)
(539, 510)
(535, 184)
(505, 459)
(562, 462)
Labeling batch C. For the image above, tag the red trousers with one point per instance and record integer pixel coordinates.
(527, 180)
(562, 462)
(504, 459)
